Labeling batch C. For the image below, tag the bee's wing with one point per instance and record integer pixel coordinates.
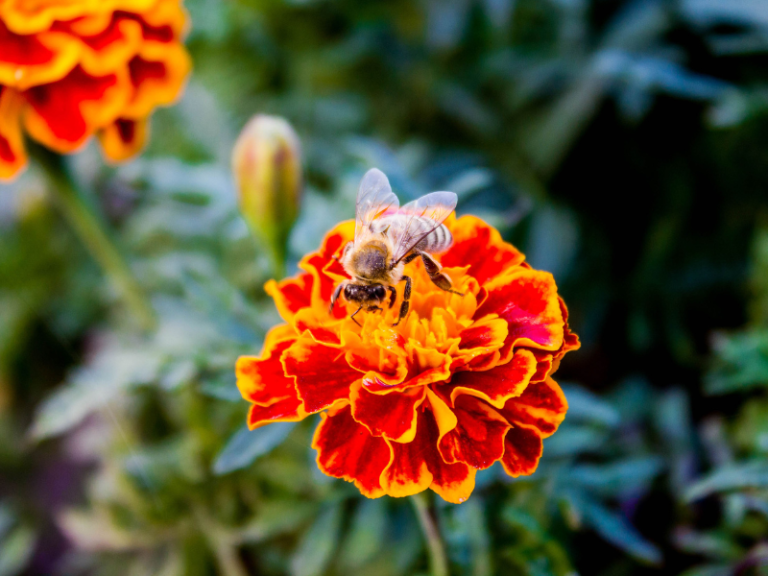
(435, 207)
(374, 198)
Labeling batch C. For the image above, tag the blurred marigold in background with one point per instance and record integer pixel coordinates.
(72, 69)
(462, 382)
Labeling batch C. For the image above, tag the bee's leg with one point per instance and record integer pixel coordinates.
(410, 258)
(355, 314)
(406, 300)
(336, 294)
(392, 295)
(438, 278)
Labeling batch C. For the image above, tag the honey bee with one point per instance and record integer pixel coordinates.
(387, 237)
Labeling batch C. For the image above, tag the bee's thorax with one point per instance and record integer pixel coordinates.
(369, 263)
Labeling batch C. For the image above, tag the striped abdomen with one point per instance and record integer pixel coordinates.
(435, 242)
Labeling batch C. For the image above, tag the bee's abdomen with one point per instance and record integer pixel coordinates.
(439, 240)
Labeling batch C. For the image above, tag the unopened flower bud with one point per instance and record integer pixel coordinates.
(266, 163)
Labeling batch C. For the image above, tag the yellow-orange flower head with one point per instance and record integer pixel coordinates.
(70, 69)
(462, 382)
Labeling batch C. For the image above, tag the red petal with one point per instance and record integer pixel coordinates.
(322, 373)
(262, 380)
(522, 450)
(123, 139)
(418, 465)
(407, 473)
(479, 245)
(541, 406)
(291, 295)
(480, 342)
(345, 449)
(497, 385)
(32, 60)
(12, 154)
(316, 262)
(62, 115)
(288, 410)
(527, 300)
(478, 439)
(390, 415)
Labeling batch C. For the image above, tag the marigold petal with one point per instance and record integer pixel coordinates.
(262, 380)
(522, 449)
(315, 323)
(64, 114)
(123, 139)
(13, 157)
(542, 406)
(479, 341)
(110, 48)
(480, 245)
(31, 60)
(317, 262)
(322, 373)
(407, 472)
(478, 439)
(157, 79)
(291, 295)
(392, 416)
(346, 449)
(527, 299)
(497, 385)
(288, 410)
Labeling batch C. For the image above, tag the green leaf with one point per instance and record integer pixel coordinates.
(16, 550)
(630, 475)
(584, 405)
(366, 535)
(730, 477)
(93, 387)
(246, 446)
(614, 528)
(315, 550)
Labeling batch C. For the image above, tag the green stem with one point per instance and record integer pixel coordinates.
(437, 558)
(92, 232)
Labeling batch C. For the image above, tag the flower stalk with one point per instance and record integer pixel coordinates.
(92, 233)
(437, 559)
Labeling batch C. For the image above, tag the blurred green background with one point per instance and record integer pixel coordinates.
(622, 145)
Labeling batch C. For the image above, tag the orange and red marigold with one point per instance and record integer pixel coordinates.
(70, 69)
(462, 382)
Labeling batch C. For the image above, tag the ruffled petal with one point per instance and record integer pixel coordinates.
(497, 385)
(522, 450)
(455, 481)
(527, 299)
(480, 246)
(345, 449)
(407, 472)
(291, 295)
(13, 157)
(63, 114)
(288, 410)
(480, 341)
(123, 139)
(157, 79)
(392, 416)
(322, 374)
(318, 262)
(478, 439)
(542, 406)
(106, 48)
(31, 60)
